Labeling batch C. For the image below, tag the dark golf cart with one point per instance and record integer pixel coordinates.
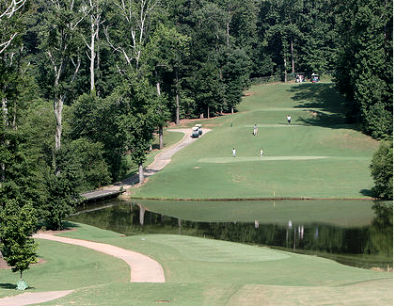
(315, 78)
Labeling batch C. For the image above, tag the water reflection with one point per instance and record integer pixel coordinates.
(369, 245)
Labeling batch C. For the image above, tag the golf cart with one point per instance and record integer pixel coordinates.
(199, 128)
(195, 132)
(315, 78)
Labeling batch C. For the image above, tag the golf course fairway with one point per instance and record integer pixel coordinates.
(198, 272)
(317, 156)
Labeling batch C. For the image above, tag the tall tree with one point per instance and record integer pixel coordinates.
(10, 11)
(95, 15)
(133, 19)
(140, 121)
(62, 44)
(98, 120)
(164, 54)
(365, 56)
(17, 226)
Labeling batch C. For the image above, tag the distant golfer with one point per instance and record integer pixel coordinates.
(233, 152)
(261, 153)
(255, 130)
(288, 119)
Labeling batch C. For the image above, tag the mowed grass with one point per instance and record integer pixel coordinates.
(318, 156)
(198, 272)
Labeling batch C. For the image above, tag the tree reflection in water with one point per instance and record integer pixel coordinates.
(363, 246)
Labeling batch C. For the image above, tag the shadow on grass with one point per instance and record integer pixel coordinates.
(70, 225)
(367, 193)
(327, 106)
(7, 286)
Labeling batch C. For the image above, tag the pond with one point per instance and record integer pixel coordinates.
(356, 233)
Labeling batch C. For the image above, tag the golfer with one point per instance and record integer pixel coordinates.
(288, 119)
(255, 130)
(233, 152)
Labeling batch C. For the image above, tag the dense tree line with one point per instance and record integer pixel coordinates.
(83, 83)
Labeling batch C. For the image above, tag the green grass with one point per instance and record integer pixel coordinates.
(198, 272)
(207, 170)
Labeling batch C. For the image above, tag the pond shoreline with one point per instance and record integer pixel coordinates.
(252, 199)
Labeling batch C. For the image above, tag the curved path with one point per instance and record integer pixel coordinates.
(143, 268)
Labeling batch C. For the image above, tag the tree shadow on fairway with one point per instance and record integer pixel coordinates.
(326, 107)
(7, 286)
(367, 193)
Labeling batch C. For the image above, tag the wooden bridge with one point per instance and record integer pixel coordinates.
(98, 195)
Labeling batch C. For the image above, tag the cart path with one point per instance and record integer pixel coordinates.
(162, 159)
(143, 268)
(29, 298)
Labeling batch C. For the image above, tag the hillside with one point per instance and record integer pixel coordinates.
(318, 155)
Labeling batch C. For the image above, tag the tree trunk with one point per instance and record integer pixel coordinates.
(4, 108)
(284, 59)
(292, 54)
(58, 108)
(141, 175)
(177, 99)
(208, 112)
(141, 215)
(158, 87)
(93, 55)
(228, 32)
(161, 137)
(3, 140)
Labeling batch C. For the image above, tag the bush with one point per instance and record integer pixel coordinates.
(382, 170)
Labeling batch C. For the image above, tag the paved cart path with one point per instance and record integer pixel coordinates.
(143, 268)
(161, 159)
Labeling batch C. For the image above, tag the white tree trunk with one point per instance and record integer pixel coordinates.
(141, 175)
(92, 55)
(58, 108)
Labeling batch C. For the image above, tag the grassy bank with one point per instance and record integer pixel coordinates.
(198, 272)
(318, 155)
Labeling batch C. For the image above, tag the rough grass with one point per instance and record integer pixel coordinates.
(291, 167)
(200, 272)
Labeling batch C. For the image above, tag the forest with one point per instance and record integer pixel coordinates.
(86, 83)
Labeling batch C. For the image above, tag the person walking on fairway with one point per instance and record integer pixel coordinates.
(288, 119)
(255, 130)
(233, 152)
(261, 152)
